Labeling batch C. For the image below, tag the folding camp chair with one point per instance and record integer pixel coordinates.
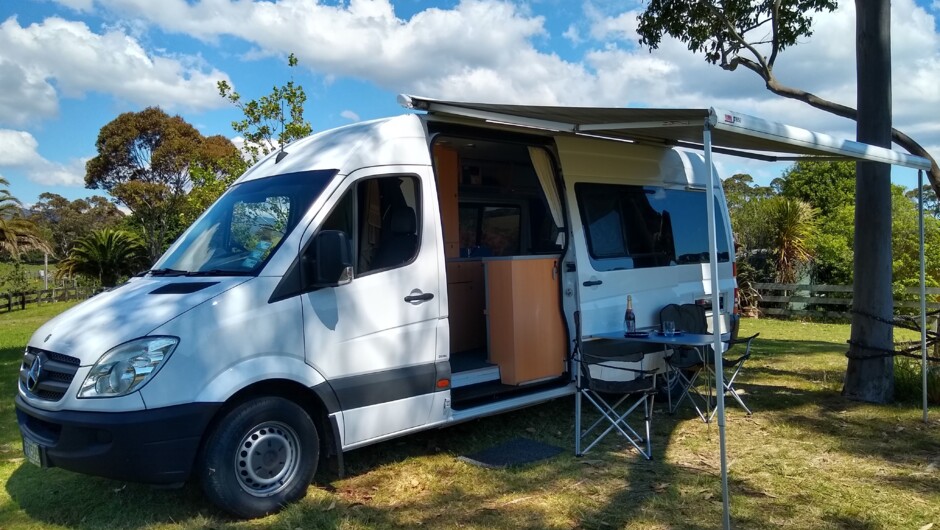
(732, 367)
(605, 383)
(686, 362)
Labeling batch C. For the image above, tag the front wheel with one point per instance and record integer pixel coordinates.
(261, 456)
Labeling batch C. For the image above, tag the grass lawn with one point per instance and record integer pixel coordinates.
(807, 459)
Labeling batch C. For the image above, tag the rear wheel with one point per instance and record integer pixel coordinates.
(261, 456)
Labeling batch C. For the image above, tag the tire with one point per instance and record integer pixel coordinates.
(253, 483)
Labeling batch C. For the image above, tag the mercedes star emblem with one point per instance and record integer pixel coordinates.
(35, 372)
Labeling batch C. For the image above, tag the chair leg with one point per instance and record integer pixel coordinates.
(729, 389)
(690, 391)
(577, 423)
(618, 422)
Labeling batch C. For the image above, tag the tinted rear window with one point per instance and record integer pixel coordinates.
(631, 227)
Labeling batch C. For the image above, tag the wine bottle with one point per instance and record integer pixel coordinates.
(629, 319)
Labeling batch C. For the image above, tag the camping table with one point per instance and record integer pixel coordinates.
(695, 340)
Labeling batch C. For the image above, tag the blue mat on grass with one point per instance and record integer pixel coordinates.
(515, 452)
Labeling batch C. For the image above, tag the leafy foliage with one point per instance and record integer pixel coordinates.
(105, 255)
(793, 225)
(65, 221)
(271, 121)
(724, 30)
(17, 235)
(826, 186)
(211, 179)
(145, 160)
(931, 203)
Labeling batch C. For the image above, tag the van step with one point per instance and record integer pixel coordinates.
(474, 377)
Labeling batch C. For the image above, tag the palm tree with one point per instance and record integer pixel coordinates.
(17, 235)
(793, 224)
(105, 255)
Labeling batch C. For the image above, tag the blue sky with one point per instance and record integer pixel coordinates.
(67, 67)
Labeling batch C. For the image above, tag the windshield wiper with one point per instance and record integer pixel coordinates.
(167, 272)
(217, 272)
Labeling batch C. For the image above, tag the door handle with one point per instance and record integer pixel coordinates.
(419, 297)
(592, 283)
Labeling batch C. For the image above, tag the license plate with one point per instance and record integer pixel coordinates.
(33, 452)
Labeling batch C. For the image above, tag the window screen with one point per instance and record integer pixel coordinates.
(645, 226)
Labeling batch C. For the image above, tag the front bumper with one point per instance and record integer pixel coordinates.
(156, 446)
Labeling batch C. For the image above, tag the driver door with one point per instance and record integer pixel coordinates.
(375, 338)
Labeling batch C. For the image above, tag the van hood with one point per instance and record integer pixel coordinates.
(126, 312)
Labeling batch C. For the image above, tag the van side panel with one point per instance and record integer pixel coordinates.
(602, 293)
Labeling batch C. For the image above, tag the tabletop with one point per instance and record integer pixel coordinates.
(655, 337)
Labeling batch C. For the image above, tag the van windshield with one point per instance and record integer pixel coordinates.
(245, 227)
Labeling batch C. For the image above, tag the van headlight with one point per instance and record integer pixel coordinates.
(127, 367)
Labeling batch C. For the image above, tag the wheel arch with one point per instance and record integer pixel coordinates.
(318, 401)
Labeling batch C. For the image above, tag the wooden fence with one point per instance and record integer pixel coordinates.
(829, 301)
(10, 302)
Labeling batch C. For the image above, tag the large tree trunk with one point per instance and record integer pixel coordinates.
(870, 373)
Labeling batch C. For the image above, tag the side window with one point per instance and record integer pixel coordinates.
(645, 226)
(381, 217)
(490, 230)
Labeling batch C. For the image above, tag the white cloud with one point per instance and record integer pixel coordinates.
(77, 5)
(19, 148)
(489, 50)
(43, 60)
(349, 115)
(21, 151)
(573, 35)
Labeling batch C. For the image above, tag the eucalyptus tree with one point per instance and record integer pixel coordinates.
(752, 34)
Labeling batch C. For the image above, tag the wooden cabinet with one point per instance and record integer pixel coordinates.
(447, 167)
(526, 331)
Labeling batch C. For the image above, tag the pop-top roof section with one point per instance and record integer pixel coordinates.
(733, 133)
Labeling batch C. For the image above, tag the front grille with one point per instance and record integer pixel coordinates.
(55, 373)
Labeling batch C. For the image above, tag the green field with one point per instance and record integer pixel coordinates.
(806, 459)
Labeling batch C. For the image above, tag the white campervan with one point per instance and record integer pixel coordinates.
(365, 283)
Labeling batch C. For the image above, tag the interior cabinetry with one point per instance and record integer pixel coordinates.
(466, 297)
(523, 315)
(447, 167)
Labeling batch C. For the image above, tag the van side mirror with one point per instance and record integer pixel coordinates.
(330, 263)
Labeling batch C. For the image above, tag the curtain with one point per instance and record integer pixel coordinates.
(542, 163)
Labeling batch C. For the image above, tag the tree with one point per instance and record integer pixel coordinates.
(266, 127)
(144, 160)
(65, 221)
(793, 225)
(105, 255)
(222, 164)
(931, 203)
(734, 33)
(870, 373)
(826, 186)
(17, 235)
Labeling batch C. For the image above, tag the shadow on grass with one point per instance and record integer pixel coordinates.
(608, 488)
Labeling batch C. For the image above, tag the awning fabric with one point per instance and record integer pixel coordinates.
(732, 132)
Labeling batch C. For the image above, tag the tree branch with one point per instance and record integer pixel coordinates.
(898, 137)
(775, 47)
(761, 60)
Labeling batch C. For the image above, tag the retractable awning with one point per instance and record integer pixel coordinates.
(711, 130)
(732, 133)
